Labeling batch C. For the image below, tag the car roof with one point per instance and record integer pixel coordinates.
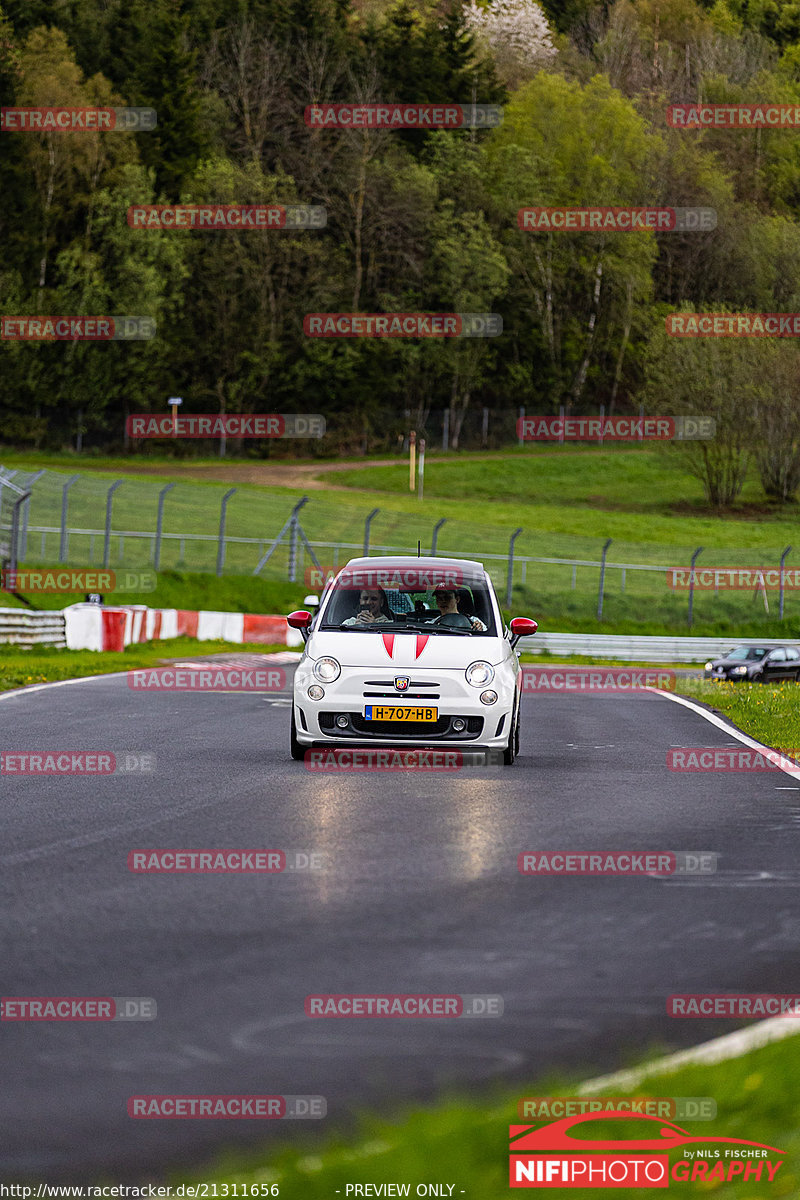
(405, 561)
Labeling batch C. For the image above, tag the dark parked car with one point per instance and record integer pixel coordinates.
(758, 664)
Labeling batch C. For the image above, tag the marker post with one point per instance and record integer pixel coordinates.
(174, 401)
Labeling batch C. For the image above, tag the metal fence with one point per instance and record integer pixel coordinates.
(15, 494)
(197, 525)
(639, 648)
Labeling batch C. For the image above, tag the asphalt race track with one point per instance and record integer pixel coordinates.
(420, 893)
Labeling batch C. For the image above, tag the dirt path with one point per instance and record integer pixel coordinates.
(271, 474)
(314, 476)
(305, 476)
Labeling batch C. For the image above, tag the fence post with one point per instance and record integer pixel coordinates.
(290, 522)
(783, 560)
(510, 578)
(109, 502)
(602, 578)
(162, 495)
(367, 524)
(485, 428)
(520, 439)
(23, 536)
(221, 544)
(62, 547)
(602, 422)
(697, 552)
(435, 537)
(293, 549)
(13, 555)
(445, 428)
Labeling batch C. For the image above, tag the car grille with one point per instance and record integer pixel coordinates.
(395, 694)
(360, 727)
(401, 695)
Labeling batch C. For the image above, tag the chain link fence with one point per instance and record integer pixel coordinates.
(94, 520)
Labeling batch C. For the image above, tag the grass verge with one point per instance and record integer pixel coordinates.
(768, 712)
(463, 1140)
(178, 589)
(50, 664)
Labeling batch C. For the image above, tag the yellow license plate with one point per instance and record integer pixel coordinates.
(391, 712)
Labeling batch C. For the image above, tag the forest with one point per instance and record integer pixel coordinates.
(416, 220)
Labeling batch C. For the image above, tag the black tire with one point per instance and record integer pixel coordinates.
(511, 749)
(297, 751)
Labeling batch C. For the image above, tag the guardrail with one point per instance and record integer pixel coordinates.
(28, 629)
(642, 648)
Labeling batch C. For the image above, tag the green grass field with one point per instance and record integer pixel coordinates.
(567, 501)
(179, 589)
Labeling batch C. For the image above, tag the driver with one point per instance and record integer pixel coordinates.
(373, 607)
(447, 602)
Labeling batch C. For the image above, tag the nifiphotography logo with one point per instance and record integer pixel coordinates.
(557, 1155)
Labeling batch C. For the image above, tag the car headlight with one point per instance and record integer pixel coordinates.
(738, 670)
(709, 666)
(315, 692)
(478, 674)
(327, 669)
(488, 697)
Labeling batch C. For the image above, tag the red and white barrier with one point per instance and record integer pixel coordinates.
(92, 627)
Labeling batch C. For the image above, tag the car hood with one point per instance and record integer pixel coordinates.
(737, 662)
(397, 650)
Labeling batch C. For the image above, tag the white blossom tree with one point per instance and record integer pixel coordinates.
(516, 32)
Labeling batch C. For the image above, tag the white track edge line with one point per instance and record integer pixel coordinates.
(744, 738)
(40, 687)
(730, 1045)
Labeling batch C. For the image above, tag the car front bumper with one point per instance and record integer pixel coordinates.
(485, 725)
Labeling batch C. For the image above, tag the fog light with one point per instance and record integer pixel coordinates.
(315, 692)
(459, 725)
(488, 697)
(342, 721)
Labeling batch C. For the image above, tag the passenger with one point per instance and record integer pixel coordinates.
(373, 607)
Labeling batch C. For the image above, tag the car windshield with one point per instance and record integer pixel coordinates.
(463, 610)
(748, 653)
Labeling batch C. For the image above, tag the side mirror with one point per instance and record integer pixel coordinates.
(522, 627)
(300, 620)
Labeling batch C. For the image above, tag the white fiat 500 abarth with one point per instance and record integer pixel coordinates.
(408, 652)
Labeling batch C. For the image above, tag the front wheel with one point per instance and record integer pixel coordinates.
(297, 751)
(511, 749)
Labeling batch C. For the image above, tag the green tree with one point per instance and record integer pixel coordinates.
(574, 295)
(709, 377)
(160, 66)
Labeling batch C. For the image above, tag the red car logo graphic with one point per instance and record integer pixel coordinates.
(401, 682)
(556, 1136)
